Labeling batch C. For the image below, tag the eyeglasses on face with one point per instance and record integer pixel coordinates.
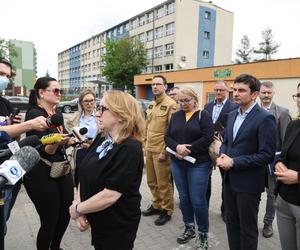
(296, 97)
(55, 91)
(156, 84)
(184, 101)
(102, 108)
(91, 101)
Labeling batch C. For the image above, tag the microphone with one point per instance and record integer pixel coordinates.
(79, 133)
(20, 163)
(51, 139)
(4, 137)
(32, 141)
(55, 120)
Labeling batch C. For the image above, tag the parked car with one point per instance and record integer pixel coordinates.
(71, 106)
(20, 102)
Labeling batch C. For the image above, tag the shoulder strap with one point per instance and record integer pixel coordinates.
(200, 115)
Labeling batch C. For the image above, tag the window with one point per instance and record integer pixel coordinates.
(142, 37)
(210, 97)
(170, 29)
(150, 17)
(158, 68)
(159, 32)
(127, 26)
(169, 49)
(149, 53)
(169, 67)
(142, 20)
(207, 15)
(206, 35)
(149, 35)
(149, 69)
(160, 12)
(205, 54)
(158, 52)
(170, 8)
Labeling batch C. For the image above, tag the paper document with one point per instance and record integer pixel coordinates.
(187, 158)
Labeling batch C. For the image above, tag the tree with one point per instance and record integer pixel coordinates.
(124, 58)
(7, 49)
(245, 51)
(268, 46)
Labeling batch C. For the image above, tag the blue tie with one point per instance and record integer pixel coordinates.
(106, 145)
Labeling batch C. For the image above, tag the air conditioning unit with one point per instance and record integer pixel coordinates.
(183, 58)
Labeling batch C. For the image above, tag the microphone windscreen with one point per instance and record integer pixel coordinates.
(55, 120)
(27, 157)
(83, 131)
(32, 140)
(4, 137)
(51, 139)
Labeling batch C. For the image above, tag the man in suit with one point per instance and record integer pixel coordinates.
(219, 109)
(283, 118)
(249, 146)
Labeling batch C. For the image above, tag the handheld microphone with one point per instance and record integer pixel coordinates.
(79, 133)
(55, 120)
(20, 163)
(51, 139)
(32, 141)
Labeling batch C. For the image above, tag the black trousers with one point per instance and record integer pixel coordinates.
(241, 211)
(51, 198)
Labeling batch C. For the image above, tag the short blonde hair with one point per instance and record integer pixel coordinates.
(127, 109)
(191, 92)
(82, 94)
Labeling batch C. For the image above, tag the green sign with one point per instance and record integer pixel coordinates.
(222, 73)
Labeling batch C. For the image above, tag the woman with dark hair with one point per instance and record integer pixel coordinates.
(287, 171)
(51, 196)
(108, 198)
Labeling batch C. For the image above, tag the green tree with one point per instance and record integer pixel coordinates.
(7, 49)
(245, 51)
(268, 46)
(123, 59)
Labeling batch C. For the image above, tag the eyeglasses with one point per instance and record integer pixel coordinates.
(296, 97)
(55, 91)
(102, 108)
(91, 101)
(184, 101)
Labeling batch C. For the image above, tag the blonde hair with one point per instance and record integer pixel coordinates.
(82, 94)
(191, 92)
(127, 109)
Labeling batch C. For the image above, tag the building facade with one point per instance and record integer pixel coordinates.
(25, 66)
(177, 35)
(284, 73)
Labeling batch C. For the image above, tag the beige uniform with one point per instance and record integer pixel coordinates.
(159, 114)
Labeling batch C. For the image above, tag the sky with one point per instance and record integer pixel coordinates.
(56, 25)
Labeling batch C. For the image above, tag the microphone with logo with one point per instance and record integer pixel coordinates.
(20, 163)
(55, 120)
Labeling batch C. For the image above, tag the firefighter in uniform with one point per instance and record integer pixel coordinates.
(159, 114)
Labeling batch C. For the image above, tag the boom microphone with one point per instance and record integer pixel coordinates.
(55, 120)
(20, 163)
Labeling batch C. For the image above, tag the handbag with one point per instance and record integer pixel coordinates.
(58, 169)
(214, 147)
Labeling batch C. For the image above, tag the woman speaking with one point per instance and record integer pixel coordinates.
(108, 196)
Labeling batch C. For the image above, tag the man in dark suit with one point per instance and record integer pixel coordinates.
(219, 109)
(249, 146)
(283, 118)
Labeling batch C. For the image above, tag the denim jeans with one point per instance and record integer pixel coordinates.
(191, 183)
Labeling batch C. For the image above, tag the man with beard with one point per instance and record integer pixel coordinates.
(282, 117)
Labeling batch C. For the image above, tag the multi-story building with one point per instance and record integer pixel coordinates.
(24, 66)
(178, 34)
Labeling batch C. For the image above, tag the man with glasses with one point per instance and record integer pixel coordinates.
(173, 93)
(282, 117)
(219, 109)
(159, 113)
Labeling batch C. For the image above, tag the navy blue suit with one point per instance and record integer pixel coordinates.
(252, 150)
(219, 125)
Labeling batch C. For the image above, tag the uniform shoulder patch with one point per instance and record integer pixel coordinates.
(163, 107)
(174, 108)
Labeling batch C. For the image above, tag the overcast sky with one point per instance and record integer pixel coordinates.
(56, 25)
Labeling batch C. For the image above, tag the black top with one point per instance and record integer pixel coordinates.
(120, 170)
(5, 107)
(33, 113)
(291, 158)
(197, 133)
